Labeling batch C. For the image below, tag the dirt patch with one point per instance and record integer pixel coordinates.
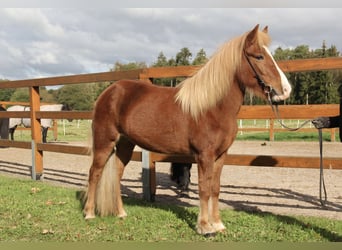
(285, 191)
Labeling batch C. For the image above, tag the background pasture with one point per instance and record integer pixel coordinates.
(78, 131)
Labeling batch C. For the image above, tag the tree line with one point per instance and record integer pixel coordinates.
(308, 87)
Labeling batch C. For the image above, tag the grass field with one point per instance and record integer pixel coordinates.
(38, 212)
(78, 130)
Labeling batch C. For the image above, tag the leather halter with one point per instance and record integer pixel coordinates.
(266, 88)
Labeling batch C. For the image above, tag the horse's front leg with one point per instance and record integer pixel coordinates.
(44, 133)
(205, 172)
(11, 132)
(214, 216)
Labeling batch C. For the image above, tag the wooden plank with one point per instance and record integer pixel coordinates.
(166, 72)
(259, 160)
(137, 156)
(299, 65)
(87, 115)
(73, 79)
(15, 114)
(246, 112)
(65, 149)
(73, 149)
(313, 64)
(288, 111)
(282, 161)
(15, 144)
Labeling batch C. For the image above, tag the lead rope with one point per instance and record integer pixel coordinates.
(321, 176)
(321, 167)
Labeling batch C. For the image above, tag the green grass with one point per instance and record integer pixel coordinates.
(76, 130)
(38, 212)
(284, 136)
(79, 130)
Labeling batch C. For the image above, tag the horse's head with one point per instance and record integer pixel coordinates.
(259, 71)
(65, 107)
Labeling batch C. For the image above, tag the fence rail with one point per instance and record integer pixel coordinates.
(255, 112)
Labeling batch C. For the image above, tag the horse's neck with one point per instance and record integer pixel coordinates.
(232, 102)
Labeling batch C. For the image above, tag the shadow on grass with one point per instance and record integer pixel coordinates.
(325, 233)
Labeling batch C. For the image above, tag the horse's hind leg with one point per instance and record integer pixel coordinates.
(123, 154)
(102, 152)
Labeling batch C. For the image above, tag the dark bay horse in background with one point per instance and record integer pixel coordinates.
(180, 174)
(199, 118)
(26, 122)
(4, 125)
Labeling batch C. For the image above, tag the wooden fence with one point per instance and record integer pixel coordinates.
(149, 158)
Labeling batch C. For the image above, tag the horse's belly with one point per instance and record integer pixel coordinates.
(160, 141)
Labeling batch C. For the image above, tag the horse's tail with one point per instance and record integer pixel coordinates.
(108, 190)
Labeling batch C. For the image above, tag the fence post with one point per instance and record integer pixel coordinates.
(148, 176)
(271, 130)
(332, 134)
(55, 129)
(36, 134)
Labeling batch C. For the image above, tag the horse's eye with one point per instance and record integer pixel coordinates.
(260, 57)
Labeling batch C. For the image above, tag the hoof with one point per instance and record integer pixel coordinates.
(122, 215)
(209, 235)
(89, 217)
(218, 227)
(206, 230)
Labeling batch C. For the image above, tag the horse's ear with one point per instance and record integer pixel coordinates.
(265, 30)
(252, 37)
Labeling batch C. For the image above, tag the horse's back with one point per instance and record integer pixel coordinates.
(51, 107)
(142, 111)
(47, 122)
(15, 121)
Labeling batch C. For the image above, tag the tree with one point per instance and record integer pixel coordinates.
(77, 96)
(201, 58)
(47, 96)
(161, 61)
(20, 95)
(183, 57)
(5, 94)
(128, 66)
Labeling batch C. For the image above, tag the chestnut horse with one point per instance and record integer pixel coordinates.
(196, 118)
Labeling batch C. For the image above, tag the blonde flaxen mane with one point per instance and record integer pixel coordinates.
(211, 83)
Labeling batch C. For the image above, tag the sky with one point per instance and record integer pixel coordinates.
(44, 42)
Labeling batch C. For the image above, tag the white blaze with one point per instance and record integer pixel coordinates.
(286, 87)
